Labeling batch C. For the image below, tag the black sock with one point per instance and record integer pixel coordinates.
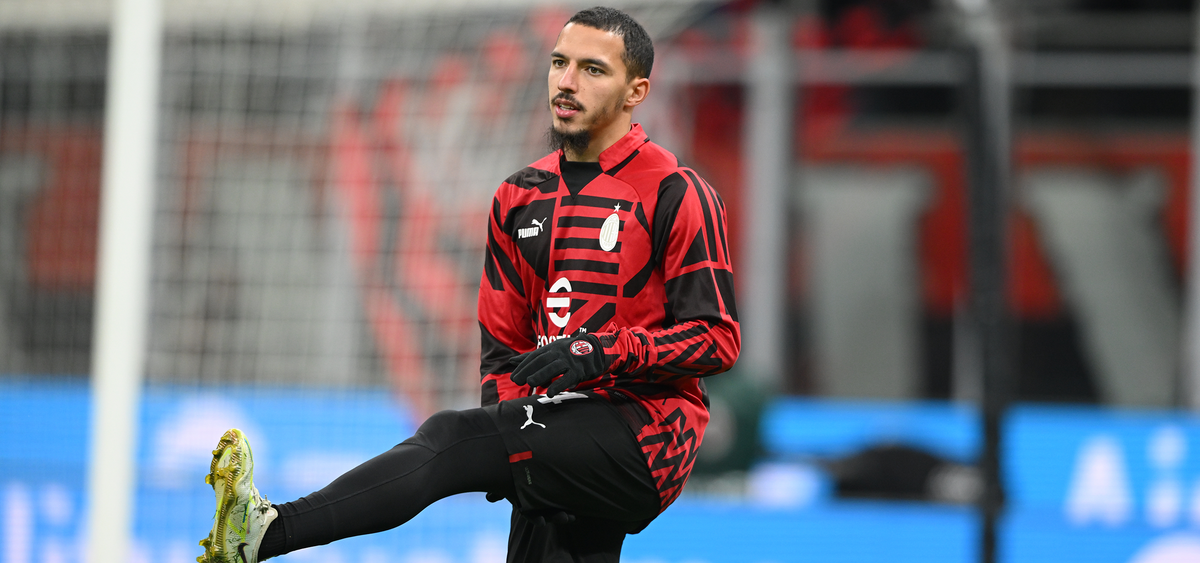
(273, 540)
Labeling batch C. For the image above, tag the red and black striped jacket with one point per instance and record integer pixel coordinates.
(632, 250)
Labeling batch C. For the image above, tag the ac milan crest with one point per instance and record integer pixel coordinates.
(610, 230)
(581, 347)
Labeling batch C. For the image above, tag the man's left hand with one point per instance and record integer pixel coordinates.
(576, 360)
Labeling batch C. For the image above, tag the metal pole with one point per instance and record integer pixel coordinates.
(988, 105)
(122, 282)
(768, 158)
(1191, 342)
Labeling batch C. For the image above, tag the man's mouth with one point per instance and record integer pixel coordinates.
(564, 108)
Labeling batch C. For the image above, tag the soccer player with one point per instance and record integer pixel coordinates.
(606, 296)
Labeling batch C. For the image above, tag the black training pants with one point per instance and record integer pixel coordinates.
(567, 516)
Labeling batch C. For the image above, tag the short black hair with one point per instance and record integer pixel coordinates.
(639, 51)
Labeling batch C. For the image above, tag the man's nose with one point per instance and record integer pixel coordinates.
(566, 82)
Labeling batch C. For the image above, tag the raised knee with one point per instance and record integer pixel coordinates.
(448, 427)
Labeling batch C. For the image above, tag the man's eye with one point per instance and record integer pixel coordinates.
(558, 63)
(594, 71)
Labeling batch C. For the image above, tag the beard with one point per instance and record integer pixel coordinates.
(569, 141)
(578, 141)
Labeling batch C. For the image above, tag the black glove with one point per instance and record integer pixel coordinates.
(576, 359)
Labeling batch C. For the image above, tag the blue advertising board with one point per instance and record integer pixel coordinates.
(1085, 484)
(1120, 486)
(1082, 483)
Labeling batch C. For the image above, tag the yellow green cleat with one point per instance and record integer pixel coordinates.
(242, 514)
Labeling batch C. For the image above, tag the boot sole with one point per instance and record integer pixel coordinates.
(230, 478)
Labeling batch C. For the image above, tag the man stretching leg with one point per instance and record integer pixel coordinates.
(606, 295)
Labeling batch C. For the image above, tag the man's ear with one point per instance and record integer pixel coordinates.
(639, 88)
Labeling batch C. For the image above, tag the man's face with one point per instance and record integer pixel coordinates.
(587, 80)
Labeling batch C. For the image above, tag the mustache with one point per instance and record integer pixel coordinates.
(563, 96)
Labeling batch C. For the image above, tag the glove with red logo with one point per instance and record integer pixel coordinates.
(577, 360)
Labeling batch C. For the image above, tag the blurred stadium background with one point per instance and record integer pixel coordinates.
(322, 171)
